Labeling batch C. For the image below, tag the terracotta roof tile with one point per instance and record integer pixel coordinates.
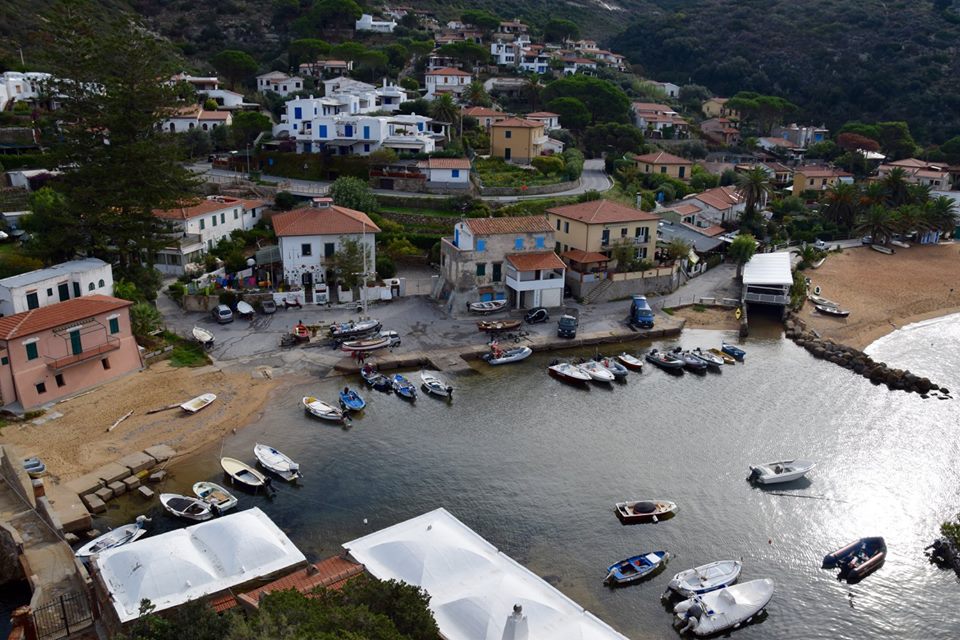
(331, 573)
(43, 318)
(518, 224)
(820, 172)
(536, 260)
(685, 209)
(314, 221)
(720, 198)
(448, 71)
(518, 122)
(584, 257)
(192, 209)
(543, 114)
(602, 212)
(213, 115)
(483, 112)
(445, 163)
(661, 157)
(652, 106)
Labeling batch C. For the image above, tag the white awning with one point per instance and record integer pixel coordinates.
(473, 587)
(768, 268)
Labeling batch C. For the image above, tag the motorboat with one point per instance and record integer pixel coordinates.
(201, 401)
(780, 471)
(596, 371)
(487, 307)
(403, 387)
(217, 497)
(350, 329)
(568, 372)
(375, 379)
(367, 344)
(34, 467)
(506, 356)
(613, 366)
(690, 361)
(300, 333)
(186, 507)
(819, 300)
(115, 538)
(243, 473)
(882, 249)
(858, 559)
(636, 568)
(726, 608)
(666, 361)
(705, 578)
(496, 326)
(727, 358)
(735, 352)
(244, 309)
(900, 243)
(277, 462)
(350, 400)
(831, 311)
(320, 409)
(204, 337)
(630, 362)
(645, 511)
(435, 385)
(710, 359)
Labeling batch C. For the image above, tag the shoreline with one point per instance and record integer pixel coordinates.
(873, 336)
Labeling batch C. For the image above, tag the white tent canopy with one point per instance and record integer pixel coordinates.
(178, 566)
(768, 269)
(473, 587)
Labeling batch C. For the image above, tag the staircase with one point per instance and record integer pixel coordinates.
(598, 291)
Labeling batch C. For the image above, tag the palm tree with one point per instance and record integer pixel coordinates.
(873, 193)
(741, 250)
(877, 222)
(476, 95)
(941, 213)
(444, 109)
(910, 218)
(531, 91)
(896, 186)
(842, 202)
(918, 193)
(754, 187)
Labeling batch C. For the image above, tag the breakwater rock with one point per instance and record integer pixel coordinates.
(859, 362)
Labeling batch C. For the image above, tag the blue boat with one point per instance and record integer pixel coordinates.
(735, 352)
(403, 388)
(351, 400)
(636, 568)
(376, 379)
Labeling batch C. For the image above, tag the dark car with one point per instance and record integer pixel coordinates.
(268, 307)
(567, 326)
(536, 315)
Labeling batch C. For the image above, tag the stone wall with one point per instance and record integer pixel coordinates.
(530, 191)
(10, 547)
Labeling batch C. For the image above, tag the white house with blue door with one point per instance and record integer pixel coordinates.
(504, 258)
(59, 283)
(358, 134)
(446, 172)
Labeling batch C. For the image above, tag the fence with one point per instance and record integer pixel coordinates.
(672, 301)
(61, 617)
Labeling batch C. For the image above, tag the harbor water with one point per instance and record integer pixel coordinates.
(535, 466)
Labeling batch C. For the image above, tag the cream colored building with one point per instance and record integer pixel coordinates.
(665, 163)
(599, 225)
(517, 140)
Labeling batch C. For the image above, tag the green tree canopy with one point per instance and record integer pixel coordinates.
(236, 66)
(605, 100)
(763, 111)
(469, 53)
(247, 125)
(574, 115)
(349, 262)
(351, 51)
(558, 30)
(741, 250)
(612, 138)
(353, 193)
(480, 19)
(306, 50)
(328, 14)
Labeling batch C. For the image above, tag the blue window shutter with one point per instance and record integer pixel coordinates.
(518, 244)
(481, 245)
(540, 242)
(348, 131)
(297, 113)
(114, 325)
(323, 131)
(456, 173)
(366, 133)
(456, 237)
(419, 126)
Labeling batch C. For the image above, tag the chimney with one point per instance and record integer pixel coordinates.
(322, 203)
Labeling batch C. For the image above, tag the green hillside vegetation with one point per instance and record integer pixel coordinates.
(837, 60)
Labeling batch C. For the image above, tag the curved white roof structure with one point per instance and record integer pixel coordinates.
(176, 567)
(473, 587)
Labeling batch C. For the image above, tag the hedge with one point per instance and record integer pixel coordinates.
(312, 166)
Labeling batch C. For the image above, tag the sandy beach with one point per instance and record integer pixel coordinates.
(884, 292)
(78, 441)
(717, 318)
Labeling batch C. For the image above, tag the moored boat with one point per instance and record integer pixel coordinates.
(726, 608)
(204, 337)
(487, 307)
(243, 473)
(350, 329)
(815, 299)
(630, 362)
(690, 361)
(710, 359)
(836, 312)
(506, 356)
(186, 507)
(403, 387)
(596, 371)
(277, 462)
(244, 309)
(735, 352)
(115, 538)
(726, 357)
(613, 366)
(636, 568)
(858, 559)
(882, 249)
(434, 385)
(320, 409)
(780, 471)
(666, 361)
(367, 344)
(644, 511)
(568, 372)
(375, 379)
(705, 578)
(217, 497)
(496, 326)
(201, 401)
(350, 400)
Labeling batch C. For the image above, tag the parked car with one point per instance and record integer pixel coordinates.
(394, 337)
(820, 245)
(536, 315)
(567, 326)
(223, 314)
(268, 307)
(866, 240)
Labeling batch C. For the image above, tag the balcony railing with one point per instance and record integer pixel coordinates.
(112, 344)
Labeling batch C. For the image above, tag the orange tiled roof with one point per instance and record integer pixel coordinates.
(213, 115)
(584, 257)
(518, 224)
(661, 157)
(314, 221)
(192, 209)
(543, 114)
(536, 260)
(483, 112)
(43, 318)
(445, 163)
(447, 71)
(685, 209)
(720, 198)
(331, 573)
(518, 122)
(602, 212)
(651, 106)
(820, 172)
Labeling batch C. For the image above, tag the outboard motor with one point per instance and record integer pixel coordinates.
(754, 473)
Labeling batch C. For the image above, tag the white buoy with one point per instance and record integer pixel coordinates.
(364, 521)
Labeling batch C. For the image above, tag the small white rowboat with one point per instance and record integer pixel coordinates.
(201, 401)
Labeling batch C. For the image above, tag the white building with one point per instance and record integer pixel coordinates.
(669, 89)
(355, 134)
(446, 80)
(16, 86)
(578, 65)
(198, 226)
(453, 172)
(767, 278)
(200, 83)
(368, 23)
(506, 54)
(59, 283)
(196, 117)
(309, 237)
(228, 100)
(550, 120)
(280, 83)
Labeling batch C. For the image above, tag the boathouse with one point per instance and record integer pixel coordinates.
(767, 279)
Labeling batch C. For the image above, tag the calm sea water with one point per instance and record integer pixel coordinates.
(535, 466)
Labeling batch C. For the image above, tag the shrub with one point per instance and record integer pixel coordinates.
(144, 320)
(573, 161)
(285, 201)
(548, 165)
(386, 267)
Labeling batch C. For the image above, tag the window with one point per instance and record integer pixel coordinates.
(329, 248)
(508, 134)
(366, 148)
(518, 244)
(558, 224)
(566, 227)
(213, 220)
(222, 218)
(539, 241)
(605, 237)
(101, 283)
(236, 214)
(507, 153)
(76, 290)
(481, 245)
(556, 247)
(4, 360)
(366, 132)
(59, 379)
(41, 388)
(323, 131)
(481, 269)
(640, 232)
(497, 271)
(49, 293)
(306, 249)
(623, 232)
(682, 169)
(642, 253)
(114, 325)
(297, 113)
(811, 182)
(33, 302)
(105, 363)
(455, 173)
(202, 225)
(663, 169)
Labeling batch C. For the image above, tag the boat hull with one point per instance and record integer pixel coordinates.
(243, 474)
(644, 511)
(509, 356)
(630, 362)
(116, 538)
(716, 611)
(858, 559)
(781, 471)
(216, 496)
(636, 569)
(734, 352)
(705, 578)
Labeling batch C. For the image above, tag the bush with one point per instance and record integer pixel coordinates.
(386, 267)
(144, 320)
(573, 163)
(548, 165)
(285, 201)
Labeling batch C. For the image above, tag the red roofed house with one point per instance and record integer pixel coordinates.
(517, 140)
(53, 352)
(717, 205)
(549, 119)
(195, 117)
(722, 131)
(485, 115)
(446, 80)
(659, 120)
(504, 258)
(309, 237)
(665, 163)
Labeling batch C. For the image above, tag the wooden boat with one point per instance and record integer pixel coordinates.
(435, 385)
(644, 511)
(568, 372)
(690, 361)
(351, 329)
(201, 401)
(705, 578)
(244, 309)
(596, 371)
(900, 243)
(204, 337)
(818, 300)
(831, 311)
(186, 507)
(711, 359)
(300, 333)
(320, 409)
(487, 307)
(506, 356)
(243, 473)
(858, 559)
(630, 362)
(367, 344)
(350, 400)
(277, 462)
(34, 467)
(780, 471)
(115, 538)
(403, 387)
(736, 352)
(666, 361)
(727, 608)
(613, 366)
(496, 326)
(217, 497)
(726, 357)
(636, 568)
(882, 249)
(375, 379)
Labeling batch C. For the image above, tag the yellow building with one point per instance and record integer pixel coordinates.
(665, 163)
(599, 225)
(816, 178)
(717, 108)
(517, 140)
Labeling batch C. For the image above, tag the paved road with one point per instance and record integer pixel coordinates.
(719, 282)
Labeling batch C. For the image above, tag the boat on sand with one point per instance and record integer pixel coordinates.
(201, 401)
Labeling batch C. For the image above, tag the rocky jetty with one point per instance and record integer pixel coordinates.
(859, 362)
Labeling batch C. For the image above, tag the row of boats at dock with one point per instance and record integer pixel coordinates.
(609, 369)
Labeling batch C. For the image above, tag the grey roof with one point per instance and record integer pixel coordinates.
(64, 268)
(667, 232)
(768, 268)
